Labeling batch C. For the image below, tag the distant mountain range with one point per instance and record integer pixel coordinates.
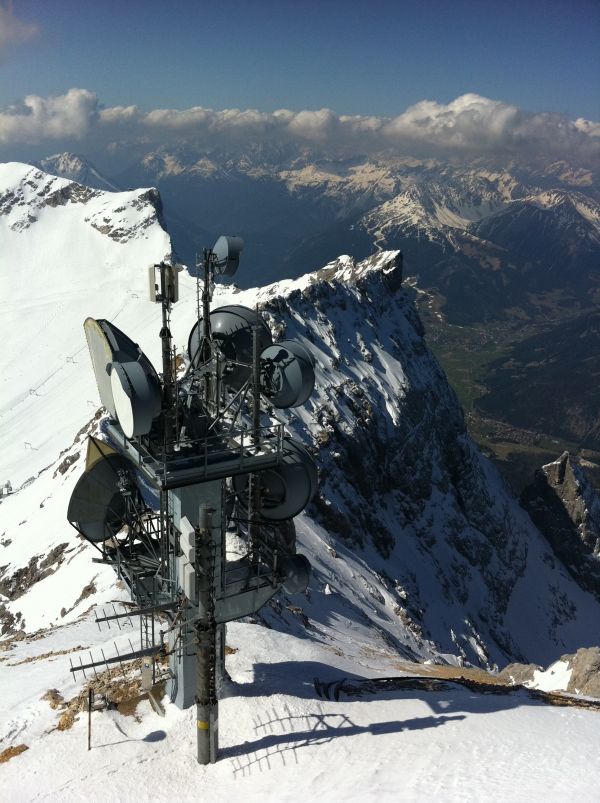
(76, 168)
(486, 239)
(507, 247)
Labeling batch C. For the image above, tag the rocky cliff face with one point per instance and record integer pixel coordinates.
(401, 480)
(566, 509)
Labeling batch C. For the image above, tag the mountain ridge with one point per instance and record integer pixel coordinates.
(397, 468)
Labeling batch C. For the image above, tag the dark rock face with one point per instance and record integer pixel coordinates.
(566, 509)
(398, 471)
(38, 568)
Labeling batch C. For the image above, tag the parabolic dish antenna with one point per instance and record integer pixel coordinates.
(287, 373)
(296, 569)
(101, 353)
(227, 254)
(285, 489)
(136, 398)
(129, 386)
(232, 329)
(98, 508)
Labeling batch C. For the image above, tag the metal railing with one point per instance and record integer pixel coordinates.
(215, 457)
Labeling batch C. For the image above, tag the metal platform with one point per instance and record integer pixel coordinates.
(213, 458)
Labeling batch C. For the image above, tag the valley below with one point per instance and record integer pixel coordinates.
(527, 387)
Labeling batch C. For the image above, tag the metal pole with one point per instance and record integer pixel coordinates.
(254, 478)
(167, 359)
(205, 349)
(256, 384)
(206, 693)
(206, 302)
(90, 692)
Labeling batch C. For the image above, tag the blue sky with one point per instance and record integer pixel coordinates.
(372, 58)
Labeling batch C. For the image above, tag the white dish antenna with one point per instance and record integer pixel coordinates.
(128, 385)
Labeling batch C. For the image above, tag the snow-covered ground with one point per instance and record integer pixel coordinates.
(280, 742)
(278, 739)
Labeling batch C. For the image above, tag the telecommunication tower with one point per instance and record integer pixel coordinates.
(189, 461)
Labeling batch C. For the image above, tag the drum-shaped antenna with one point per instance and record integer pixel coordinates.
(98, 508)
(285, 489)
(136, 397)
(227, 254)
(136, 385)
(232, 329)
(287, 373)
(296, 570)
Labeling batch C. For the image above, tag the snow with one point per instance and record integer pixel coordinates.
(59, 266)
(278, 739)
(555, 678)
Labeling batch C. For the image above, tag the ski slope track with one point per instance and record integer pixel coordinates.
(419, 553)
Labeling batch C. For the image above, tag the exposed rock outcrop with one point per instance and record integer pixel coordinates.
(399, 472)
(519, 674)
(585, 672)
(566, 509)
(578, 673)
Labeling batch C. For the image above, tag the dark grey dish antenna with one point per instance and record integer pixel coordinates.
(285, 489)
(98, 508)
(232, 329)
(287, 373)
(296, 569)
(226, 252)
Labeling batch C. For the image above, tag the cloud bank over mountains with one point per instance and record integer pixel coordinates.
(470, 125)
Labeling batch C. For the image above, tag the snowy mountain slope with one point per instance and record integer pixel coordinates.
(65, 248)
(399, 474)
(278, 741)
(417, 549)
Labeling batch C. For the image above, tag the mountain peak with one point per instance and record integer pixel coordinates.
(77, 168)
(345, 270)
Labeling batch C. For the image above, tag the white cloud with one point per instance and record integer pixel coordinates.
(119, 114)
(588, 127)
(37, 119)
(469, 125)
(13, 31)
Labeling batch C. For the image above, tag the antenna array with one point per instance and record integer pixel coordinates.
(188, 461)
